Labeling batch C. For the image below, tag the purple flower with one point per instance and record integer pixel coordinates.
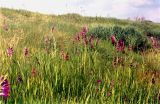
(99, 81)
(26, 51)
(113, 39)
(120, 46)
(85, 41)
(77, 37)
(4, 87)
(85, 29)
(109, 94)
(83, 35)
(10, 51)
(19, 79)
(91, 39)
(97, 90)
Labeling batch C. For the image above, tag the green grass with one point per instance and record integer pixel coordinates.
(128, 81)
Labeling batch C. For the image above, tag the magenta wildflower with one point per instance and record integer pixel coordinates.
(77, 37)
(91, 39)
(85, 29)
(65, 56)
(113, 39)
(10, 51)
(26, 51)
(97, 90)
(83, 35)
(112, 84)
(109, 94)
(85, 41)
(99, 81)
(4, 87)
(34, 72)
(120, 46)
(91, 45)
(19, 79)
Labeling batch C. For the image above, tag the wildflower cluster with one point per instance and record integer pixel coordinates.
(82, 37)
(4, 87)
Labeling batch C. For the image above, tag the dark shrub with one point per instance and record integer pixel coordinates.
(100, 32)
(142, 44)
(130, 34)
(118, 31)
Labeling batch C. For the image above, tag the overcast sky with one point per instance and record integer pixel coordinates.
(150, 9)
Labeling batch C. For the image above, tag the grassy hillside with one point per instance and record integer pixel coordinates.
(48, 67)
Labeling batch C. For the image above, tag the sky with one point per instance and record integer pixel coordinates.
(122, 9)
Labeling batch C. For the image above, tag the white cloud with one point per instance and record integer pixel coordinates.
(140, 2)
(115, 8)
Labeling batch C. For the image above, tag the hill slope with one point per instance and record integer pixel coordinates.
(38, 25)
(51, 59)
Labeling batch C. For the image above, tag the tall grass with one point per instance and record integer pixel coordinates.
(96, 75)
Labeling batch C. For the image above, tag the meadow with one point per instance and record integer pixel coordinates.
(70, 59)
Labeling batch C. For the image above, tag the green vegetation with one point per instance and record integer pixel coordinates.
(60, 69)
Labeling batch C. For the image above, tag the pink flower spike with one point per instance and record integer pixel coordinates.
(4, 87)
(10, 51)
(85, 29)
(99, 81)
(26, 51)
(113, 39)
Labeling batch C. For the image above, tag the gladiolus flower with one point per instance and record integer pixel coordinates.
(4, 87)
(91, 45)
(26, 51)
(85, 29)
(99, 81)
(77, 37)
(85, 41)
(19, 78)
(83, 34)
(113, 39)
(97, 90)
(109, 94)
(120, 46)
(112, 84)
(66, 56)
(10, 51)
(34, 72)
(91, 38)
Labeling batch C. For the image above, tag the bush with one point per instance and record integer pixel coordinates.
(142, 44)
(118, 31)
(100, 32)
(131, 35)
